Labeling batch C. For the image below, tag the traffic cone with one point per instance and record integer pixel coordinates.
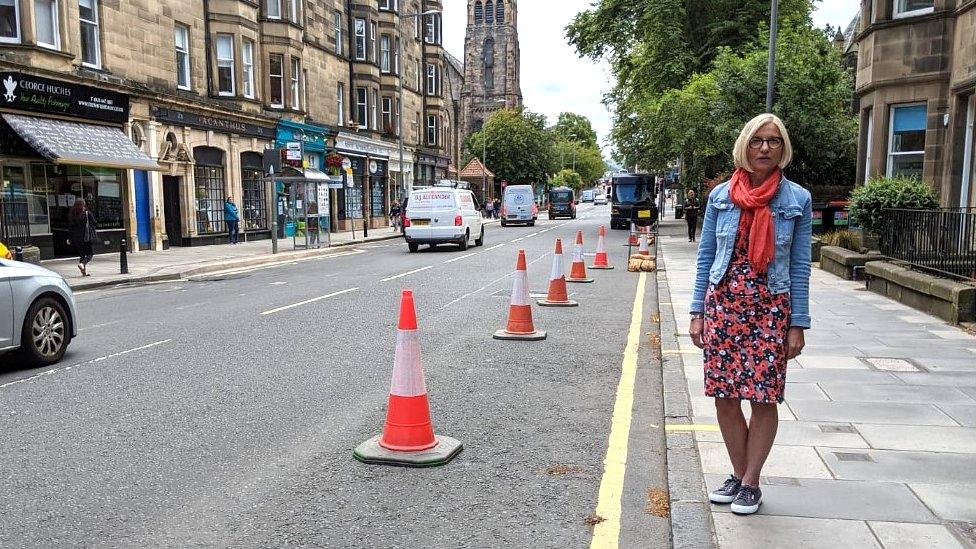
(601, 261)
(558, 296)
(408, 437)
(577, 273)
(643, 250)
(520, 325)
(633, 235)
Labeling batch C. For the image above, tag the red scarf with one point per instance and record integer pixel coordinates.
(757, 216)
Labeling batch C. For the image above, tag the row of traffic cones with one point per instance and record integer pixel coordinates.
(408, 437)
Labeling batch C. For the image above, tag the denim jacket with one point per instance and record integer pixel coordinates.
(790, 270)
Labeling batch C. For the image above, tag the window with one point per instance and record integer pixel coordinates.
(420, 72)
(254, 204)
(416, 22)
(341, 104)
(372, 42)
(375, 108)
(390, 5)
(10, 21)
(46, 23)
(869, 144)
(432, 129)
(295, 11)
(396, 56)
(225, 64)
(276, 71)
(361, 111)
(337, 30)
(91, 54)
(488, 58)
(433, 23)
(385, 53)
(181, 37)
(274, 9)
(360, 27)
(247, 61)
(489, 12)
(906, 140)
(500, 12)
(479, 13)
(433, 79)
(210, 186)
(909, 8)
(967, 194)
(388, 115)
(296, 83)
(396, 121)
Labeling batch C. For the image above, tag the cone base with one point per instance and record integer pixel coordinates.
(568, 303)
(372, 453)
(601, 267)
(579, 280)
(503, 335)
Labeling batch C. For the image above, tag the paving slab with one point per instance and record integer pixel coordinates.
(895, 393)
(894, 535)
(964, 414)
(814, 375)
(931, 349)
(784, 461)
(967, 364)
(842, 499)
(805, 433)
(953, 334)
(892, 364)
(939, 379)
(838, 362)
(804, 391)
(870, 412)
(949, 501)
(899, 466)
(766, 531)
(960, 440)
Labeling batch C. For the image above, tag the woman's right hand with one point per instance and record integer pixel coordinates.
(695, 330)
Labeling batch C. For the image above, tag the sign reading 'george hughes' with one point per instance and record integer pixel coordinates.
(220, 125)
(33, 93)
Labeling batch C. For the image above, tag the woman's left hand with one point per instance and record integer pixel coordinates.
(795, 341)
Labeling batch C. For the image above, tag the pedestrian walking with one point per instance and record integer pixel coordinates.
(81, 231)
(750, 305)
(233, 220)
(490, 209)
(692, 206)
(498, 208)
(396, 213)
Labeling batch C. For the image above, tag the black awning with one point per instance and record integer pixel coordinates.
(65, 142)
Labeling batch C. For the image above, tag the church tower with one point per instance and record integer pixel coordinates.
(491, 62)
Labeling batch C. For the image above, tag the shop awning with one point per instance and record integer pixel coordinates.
(65, 142)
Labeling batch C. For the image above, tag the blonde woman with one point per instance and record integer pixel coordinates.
(751, 300)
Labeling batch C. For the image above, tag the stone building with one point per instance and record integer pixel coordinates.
(916, 89)
(202, 90)
(491, 62)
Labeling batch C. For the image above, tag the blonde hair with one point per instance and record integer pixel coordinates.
(741, 151)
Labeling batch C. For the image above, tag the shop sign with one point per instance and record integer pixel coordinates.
(313, 139)
(33, 93)
(217, 124)
(439, 161)
(360, 146)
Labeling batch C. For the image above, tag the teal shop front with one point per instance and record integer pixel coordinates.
(315, 146)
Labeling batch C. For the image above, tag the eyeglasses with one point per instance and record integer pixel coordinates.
(773, 142)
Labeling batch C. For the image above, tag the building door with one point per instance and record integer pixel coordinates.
(143, 230)
(172, 210)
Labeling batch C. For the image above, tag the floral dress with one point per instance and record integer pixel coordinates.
(745, 333)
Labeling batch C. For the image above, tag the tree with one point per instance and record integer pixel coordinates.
(586, 160)
(568, 178)
(575, 127)
(519, 148)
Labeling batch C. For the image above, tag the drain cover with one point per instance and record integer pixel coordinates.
(892, 364)
(837, 429)
(851, 456)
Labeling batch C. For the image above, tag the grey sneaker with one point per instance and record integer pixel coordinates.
(727, 492)
(747, 501)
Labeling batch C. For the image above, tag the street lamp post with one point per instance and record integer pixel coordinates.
(399, 63)
(771, 68)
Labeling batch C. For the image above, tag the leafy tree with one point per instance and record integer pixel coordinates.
(519, 148)
(586, 160)
(568, 178)
(576, 128)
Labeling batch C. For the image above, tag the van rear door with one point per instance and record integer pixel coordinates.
(519, 202)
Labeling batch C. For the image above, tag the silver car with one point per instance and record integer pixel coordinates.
(37, 312)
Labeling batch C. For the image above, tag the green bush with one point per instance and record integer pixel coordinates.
(868, 201)
(845, 239)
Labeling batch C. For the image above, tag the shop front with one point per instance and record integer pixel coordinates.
(61, 143)
(365, 201)
(205, 159)
(430, 168)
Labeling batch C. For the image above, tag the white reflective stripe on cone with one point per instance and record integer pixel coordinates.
(520, 288)
(408, 371)
(578, 254)
(557, 267)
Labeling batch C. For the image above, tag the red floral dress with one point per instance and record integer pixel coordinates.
(745, 333)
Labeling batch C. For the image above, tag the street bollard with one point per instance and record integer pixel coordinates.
(19, 254)
(123, 259)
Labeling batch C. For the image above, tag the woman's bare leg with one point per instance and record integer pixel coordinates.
(735, 433)
(762, 433)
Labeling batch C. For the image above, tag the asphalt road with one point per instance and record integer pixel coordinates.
(223, 411)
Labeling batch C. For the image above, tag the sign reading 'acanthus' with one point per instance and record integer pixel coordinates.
(222, 125)
(33, 93)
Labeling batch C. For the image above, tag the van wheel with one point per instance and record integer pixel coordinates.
(481, 239)
(413, 247)
(532, 223)
(504, 223)
(464, 243)
(45, 336)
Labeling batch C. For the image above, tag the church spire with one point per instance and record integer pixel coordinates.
(492, 63)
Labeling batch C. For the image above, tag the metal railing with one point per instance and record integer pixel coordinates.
(14, 223)
(941, 241)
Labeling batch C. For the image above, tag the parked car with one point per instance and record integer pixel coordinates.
(37, 312)
(562, 202)
(442, 216)
(600, 200)
(518, 205)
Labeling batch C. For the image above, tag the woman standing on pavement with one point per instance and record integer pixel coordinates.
(750, 305)
(81, 230)
(692, 207)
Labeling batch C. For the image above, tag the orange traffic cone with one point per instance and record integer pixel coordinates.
(558, 296)
(408, 437)
(577, 273)
(601, 261)
(633, 235)
(520, 325)
(643, 250)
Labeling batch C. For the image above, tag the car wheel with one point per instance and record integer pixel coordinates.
(45, 336)
(464, 243)
(413, 247)
(481, 239)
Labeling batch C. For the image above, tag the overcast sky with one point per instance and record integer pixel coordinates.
(554, 79)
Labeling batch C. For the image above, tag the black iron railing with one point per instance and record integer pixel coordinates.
(941, 241)
(14, 223)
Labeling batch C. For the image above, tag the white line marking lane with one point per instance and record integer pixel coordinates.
(495, 247)
(462, 257)
(307, 301)
(493, 282)
(93, 361)
(408, 273)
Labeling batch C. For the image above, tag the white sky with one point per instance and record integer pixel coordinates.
(554, 79)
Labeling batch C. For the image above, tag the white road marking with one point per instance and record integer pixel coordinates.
(192, 306)
(495, 247)
(279, 283)
(93, 361)
(531, 235)
(517, 240)
(97, 326)
(408, 273)
(307, 301)
(460, 258)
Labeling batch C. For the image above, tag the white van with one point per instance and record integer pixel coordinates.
(518, 205)
(442, 215)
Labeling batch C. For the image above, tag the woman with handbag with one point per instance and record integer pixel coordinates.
(81, 224)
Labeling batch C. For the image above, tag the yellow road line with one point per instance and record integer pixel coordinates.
(698, 427)
(606, 535)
